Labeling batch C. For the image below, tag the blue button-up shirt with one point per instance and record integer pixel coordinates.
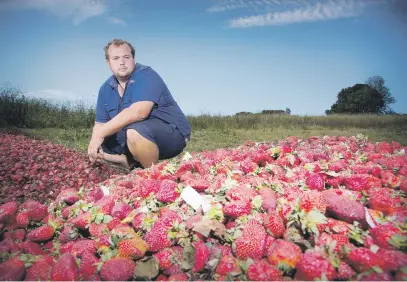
(144, 84)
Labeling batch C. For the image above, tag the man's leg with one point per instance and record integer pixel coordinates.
(121, 160)
(143, 150)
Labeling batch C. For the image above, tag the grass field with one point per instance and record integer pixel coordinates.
(211, 138)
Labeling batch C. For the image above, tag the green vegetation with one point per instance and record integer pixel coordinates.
(71, 124)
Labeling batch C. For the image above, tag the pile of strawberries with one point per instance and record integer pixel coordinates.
(39, 170)
(327, 208)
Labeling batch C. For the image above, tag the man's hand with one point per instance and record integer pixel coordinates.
(94, 148)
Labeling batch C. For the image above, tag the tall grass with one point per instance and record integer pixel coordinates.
(17, 110)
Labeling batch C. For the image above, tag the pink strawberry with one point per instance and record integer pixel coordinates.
(32, 248)
(312, 266)
(237, 208)
(121, 210)
(274, 224)
(345, 272)
(168, 191)
(105, 204)
(12, 269)
(8, 211)
(284, 254)
(83, 246)
(263, 271)
(41, 234)
(201, 256)
(168, 257)
(65, 269)
(315, 181)
(252, 242)
(389, 236)
(158, 237)
(87, 266)
(23, 219)
(36, 211)
(228, 264)
(40, 270)
(117, 269)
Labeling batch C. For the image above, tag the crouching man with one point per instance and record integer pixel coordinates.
(138, 122)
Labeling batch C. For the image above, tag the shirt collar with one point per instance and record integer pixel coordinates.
(113, 81)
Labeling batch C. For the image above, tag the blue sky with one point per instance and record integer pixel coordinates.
(216, 56)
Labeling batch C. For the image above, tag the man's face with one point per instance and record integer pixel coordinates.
(120, 61)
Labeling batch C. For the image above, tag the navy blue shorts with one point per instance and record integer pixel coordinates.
(168, 139)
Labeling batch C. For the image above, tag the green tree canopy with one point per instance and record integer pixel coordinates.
(372, 97)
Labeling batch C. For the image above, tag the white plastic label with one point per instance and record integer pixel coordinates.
(105, 190)
(192, 197)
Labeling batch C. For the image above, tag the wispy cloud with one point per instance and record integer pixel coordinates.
(279, 12)
(317, 12)
(114, 20)
(76, 10)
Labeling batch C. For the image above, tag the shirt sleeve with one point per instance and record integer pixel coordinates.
(148, 87)
(101, 113)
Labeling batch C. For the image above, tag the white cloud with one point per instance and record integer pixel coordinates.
(327, 10)
(114, 20)
(76, 10)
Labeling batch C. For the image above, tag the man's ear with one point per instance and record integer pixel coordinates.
(108, 64)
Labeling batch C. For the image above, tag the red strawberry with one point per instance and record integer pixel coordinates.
(340, 207)
(105, 204)
(32, 248)
(389, 236)
(228, 264)
(312, 266)
(158, 237)
(40, 270)
(263, 271)
(168, 191)
(65, 269)
(178, 277)
(97, 230)
(363, 259)
(385, 200)
(121, 210)
(12, 269)
(113, 223)
(357, 182)
(168, 257)
(201, 256)
(329, 239)
(237, 208)
(252, 242)
(67, 234)
(41, 234)
(133, 248)
(375, 276)
(36, 211)
(23, 219)
(274, 224)
(313, 200)
(117, 269)
(284, 254)
(383, 148)
(8, 211)
(315, 181)
(345, 272)
(82, 221)
(83, 246)
(401, 274)
(87, 266)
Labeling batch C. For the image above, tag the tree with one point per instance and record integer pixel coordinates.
(288, 111)
(377, 83)
(372, 97)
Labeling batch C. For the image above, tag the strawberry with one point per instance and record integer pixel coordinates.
(68, 233)
(158, 237)
(168, 257)
(70, 196)
(375, 276)
(340, 207)
(338, 239)
(105, 204)
(168, 191)
(32, 248)
(8, 211)
(113, 223)
(269, 199)
(133, 248)
(385, 200)
(83, 246)
(201, 256)
(23, 219)
(389, 236)
(315, 182)
(263, 271)
(237, 208)
(357, 182)
(363, 259)
(82, 221)
(312, 265)
(251, 243)
(36, 211)
(87, 266)
(65, 269)
(12, 269)
(283, 254)
(345, 272)
(40, 270)
(121, 210)
(313, 200)
(228, 265)
(41, 234)
(117, 269)
(97, 230)
(393, 259)
(383, 148)
(240, 193)
(273, 224)
(389, 179)
(178, 277)
(401, 274)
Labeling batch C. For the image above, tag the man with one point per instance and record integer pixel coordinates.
(137, 119)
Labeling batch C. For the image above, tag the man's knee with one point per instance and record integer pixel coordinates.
(133, 136)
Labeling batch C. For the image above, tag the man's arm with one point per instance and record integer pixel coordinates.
(136, 112)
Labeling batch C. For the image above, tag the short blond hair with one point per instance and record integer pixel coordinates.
(118, 42)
